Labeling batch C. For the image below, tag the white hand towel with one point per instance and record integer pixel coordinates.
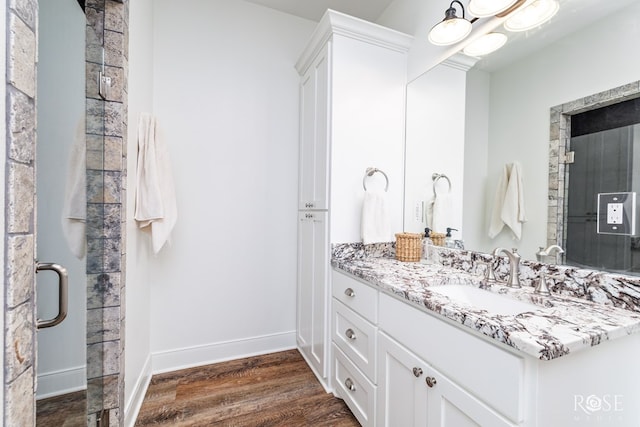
(439, 212)
(375, 225)
(496, 224)
(155, 193)
(513, 212)
(508, 206)
(74, 208)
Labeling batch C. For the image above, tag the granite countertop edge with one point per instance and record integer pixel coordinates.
(562, 325)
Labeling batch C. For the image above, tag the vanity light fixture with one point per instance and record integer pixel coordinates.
(485, 8)
(485, 44)
(532, 15)
(521, 15)
(451, 29)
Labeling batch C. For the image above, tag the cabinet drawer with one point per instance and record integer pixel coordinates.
(357, 391)
(492, 374)
(361, 298)
(356, 338)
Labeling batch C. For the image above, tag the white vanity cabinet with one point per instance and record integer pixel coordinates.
(352, 86)
(355, 336)
(395, 365)
(313, 185)
(463, 377)
(313, 271)
(412, 393)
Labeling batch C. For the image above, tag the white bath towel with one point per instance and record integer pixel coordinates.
(438, 212)
(376, 225)
(74, 207)
(508, 205)
(155, 193)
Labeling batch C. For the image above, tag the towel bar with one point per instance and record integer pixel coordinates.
(370, 172)
(436, 177)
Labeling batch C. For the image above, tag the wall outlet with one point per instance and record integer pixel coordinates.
(614, 213)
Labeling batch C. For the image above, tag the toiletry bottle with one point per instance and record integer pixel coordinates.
(449, 242)
(427, 247)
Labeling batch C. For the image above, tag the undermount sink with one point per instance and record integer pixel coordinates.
(483, 299)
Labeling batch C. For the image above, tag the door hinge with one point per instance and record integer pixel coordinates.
(569, 157)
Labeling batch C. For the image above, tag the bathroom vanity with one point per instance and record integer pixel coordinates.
(422, 345)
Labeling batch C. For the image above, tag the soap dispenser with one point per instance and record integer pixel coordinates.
(449, 242)
(427, 247)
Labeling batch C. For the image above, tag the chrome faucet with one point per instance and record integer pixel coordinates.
(553, 249)
(514, 266)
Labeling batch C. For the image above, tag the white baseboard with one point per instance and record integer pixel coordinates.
(181, 358)
(133, 405)
(55, 383)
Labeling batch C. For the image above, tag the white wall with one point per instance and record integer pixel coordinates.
(138, 249)
(61, 76)
(593, 60)
(226, 95)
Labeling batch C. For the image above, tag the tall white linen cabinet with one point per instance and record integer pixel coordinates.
(352, 105)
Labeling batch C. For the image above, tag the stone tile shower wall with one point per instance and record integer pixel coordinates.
(106, 40)
(19, 240)
(107, 25)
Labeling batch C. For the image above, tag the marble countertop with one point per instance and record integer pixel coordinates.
(557, 326)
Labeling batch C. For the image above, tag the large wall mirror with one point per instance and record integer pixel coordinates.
(469, 121)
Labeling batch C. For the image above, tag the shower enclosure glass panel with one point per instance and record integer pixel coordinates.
(604, 163)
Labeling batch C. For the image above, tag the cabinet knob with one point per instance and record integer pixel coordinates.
(308, 215)
(350, 334)
(431, 381)
(348, 383)
(308, 205)
(417, 372)
(349, 292)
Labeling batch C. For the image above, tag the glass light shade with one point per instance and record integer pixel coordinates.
(532, 15)
(449, 31)
(485, 44)
(485, 8)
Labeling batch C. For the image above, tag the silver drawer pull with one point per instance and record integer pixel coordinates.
(431, 381)
(348, 383)
(349, 292)
(417, 372)
(350, 334)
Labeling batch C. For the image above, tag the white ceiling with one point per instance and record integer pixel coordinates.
(368, 10)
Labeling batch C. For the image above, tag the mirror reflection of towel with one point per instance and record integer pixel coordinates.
(508, 205)
(376, 226)
(438, 212)
(74, 209)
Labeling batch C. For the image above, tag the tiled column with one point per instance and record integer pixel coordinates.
(106, 132)
(19, 333)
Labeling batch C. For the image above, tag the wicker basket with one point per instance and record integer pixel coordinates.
(409, 247)
(437, 238)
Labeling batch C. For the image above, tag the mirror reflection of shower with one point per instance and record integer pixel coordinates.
(606, 147)
(61, 375)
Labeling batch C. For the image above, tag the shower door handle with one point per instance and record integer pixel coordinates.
(63, 285)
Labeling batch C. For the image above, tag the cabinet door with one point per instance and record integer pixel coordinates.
(402, 391)
(312, 316)
(451, 406)
(314, 134)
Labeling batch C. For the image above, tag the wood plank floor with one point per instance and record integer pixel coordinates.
(277, 389)
(67, 410)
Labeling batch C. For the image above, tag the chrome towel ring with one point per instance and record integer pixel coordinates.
(370, 172)
(438, 176)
